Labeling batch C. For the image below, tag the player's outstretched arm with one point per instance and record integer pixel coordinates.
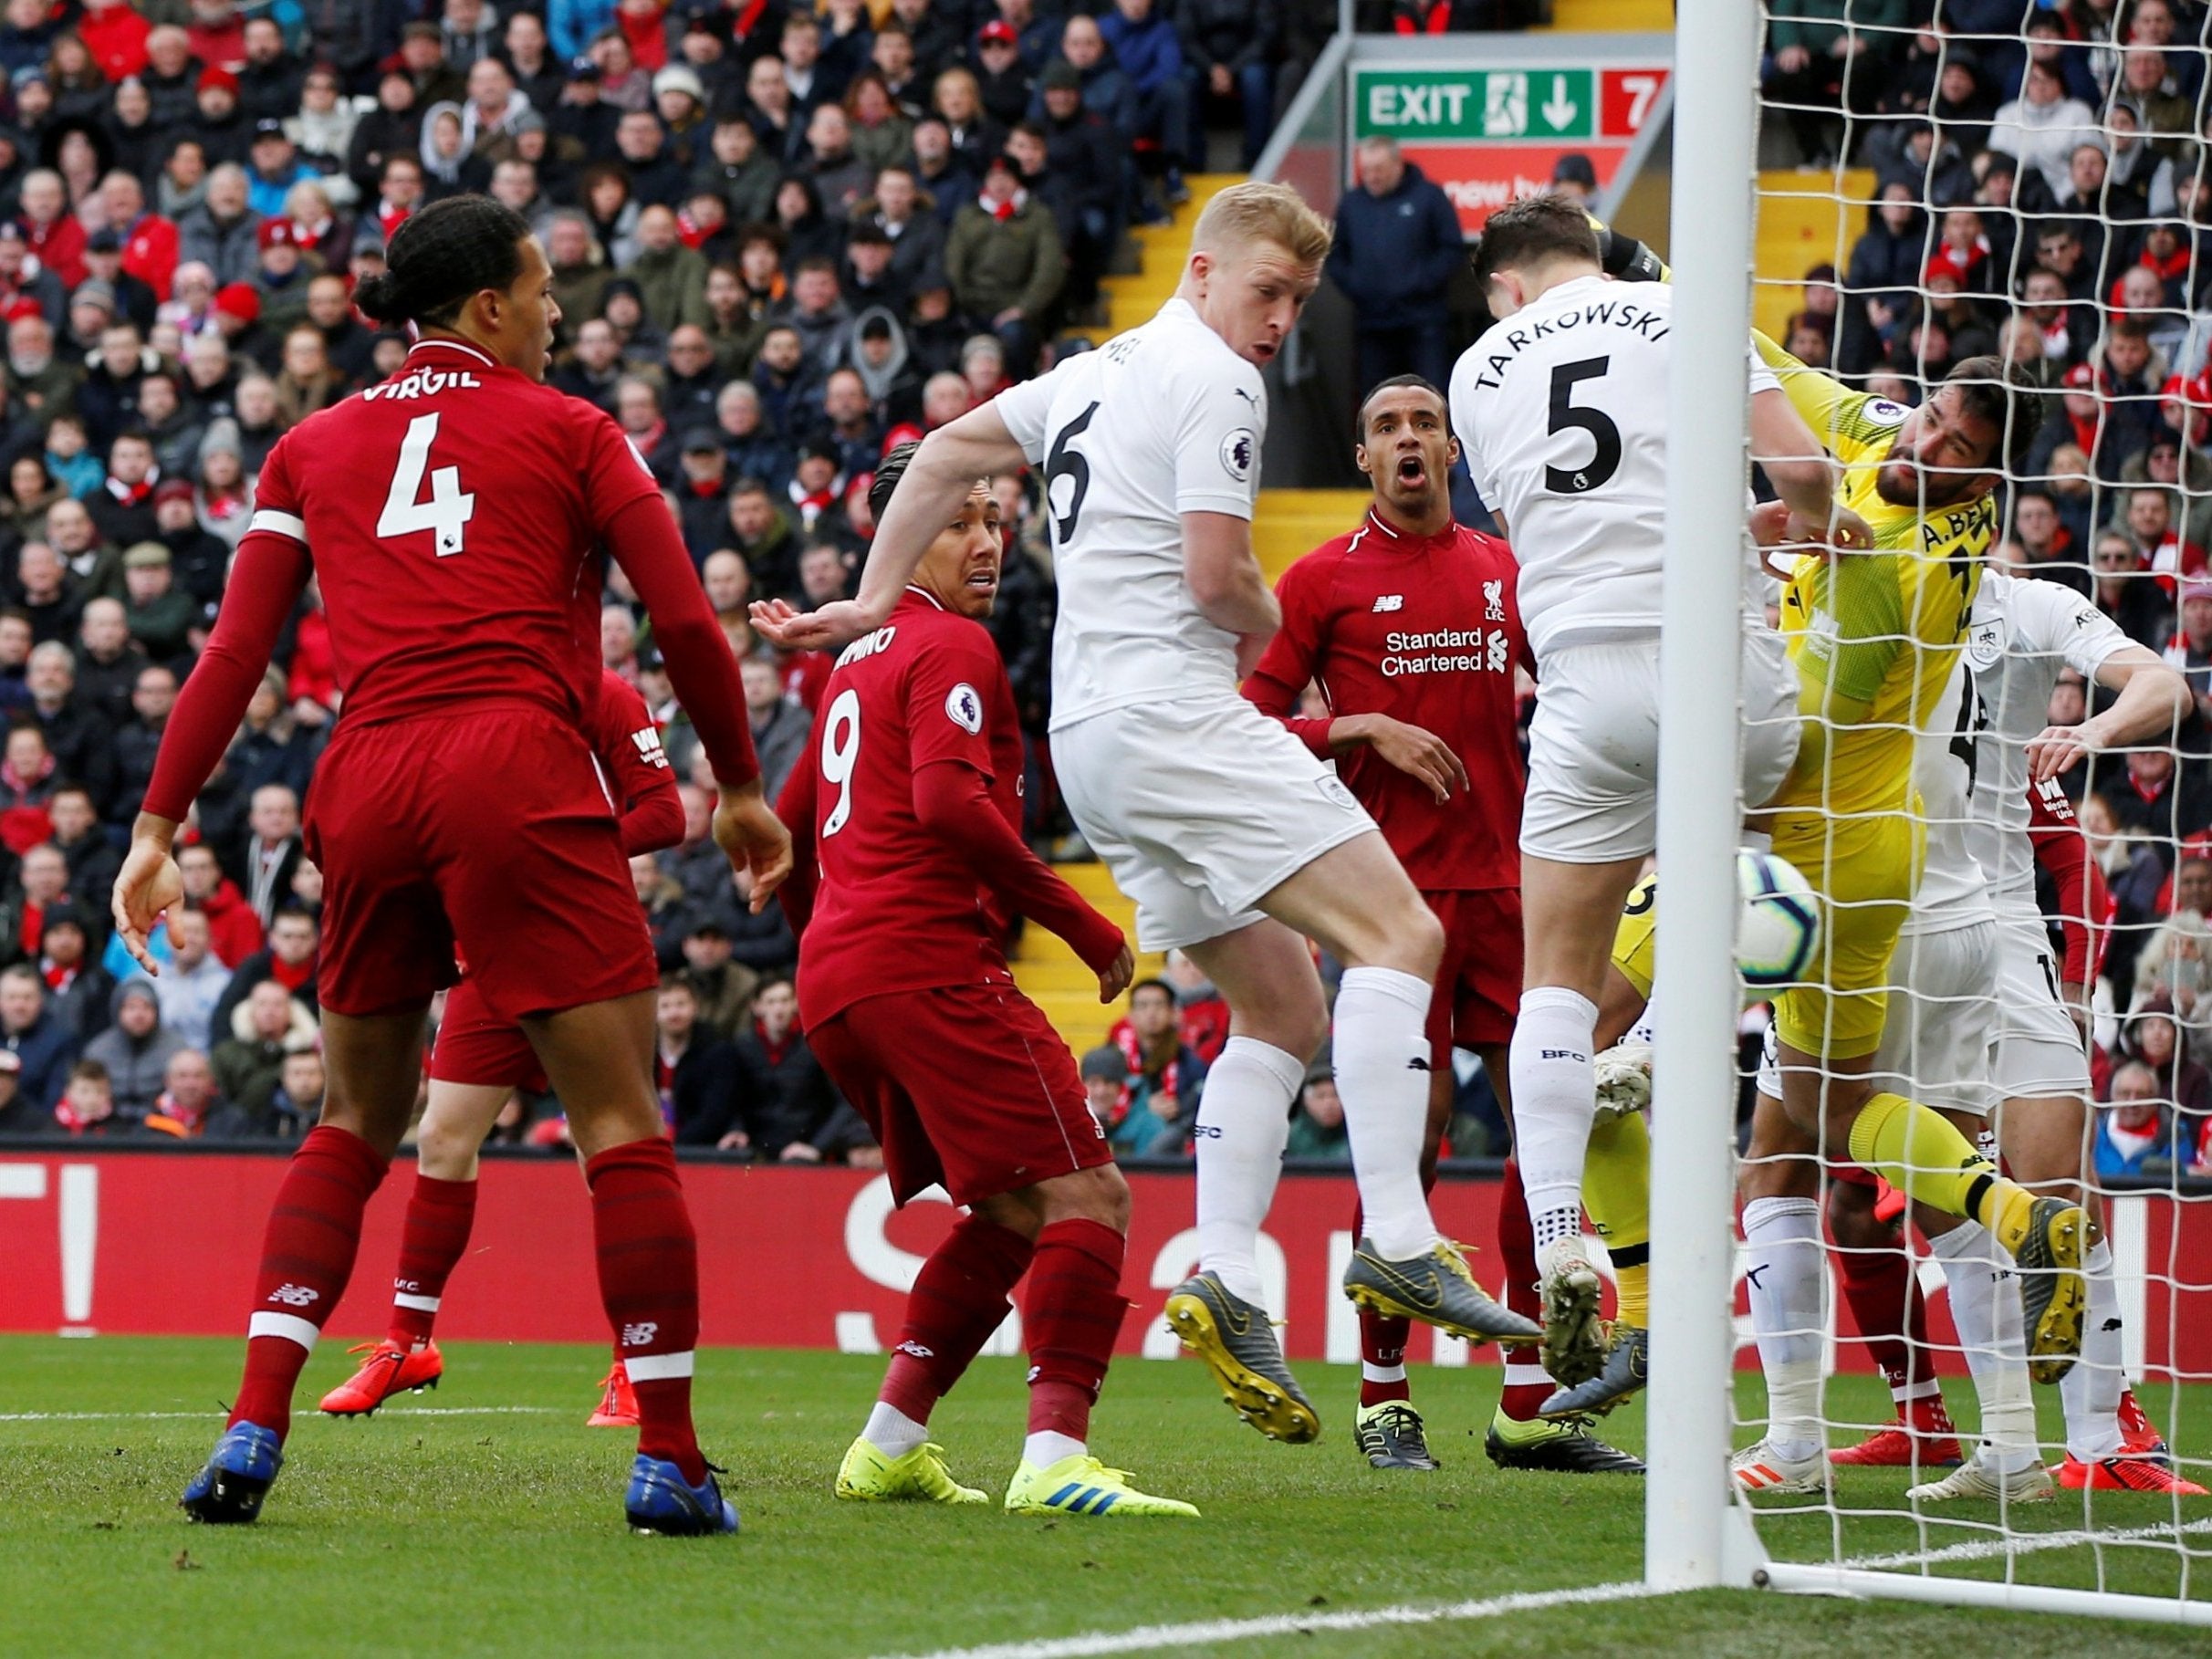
(954, 806)
(266, 581)
(2154, 699)
(938, 480)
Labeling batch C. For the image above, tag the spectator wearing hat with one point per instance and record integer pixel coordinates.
(159, 615)
(1006, 263)
(1105, 1076)
(885, 363)
(702, 505)
(1005, 83)
(136, 1048)
(722, 985)
(78, 987)
(680, 100)
(222, 231)
(198, 562)
(220, 125)
(115, 33)
(1087, 162)
(273, 167)
(867, 279)
(1575, 177)
(1397, 247)
(41, 380)
(279, 282)
(421, 58)
(93, 310)
(671, 278)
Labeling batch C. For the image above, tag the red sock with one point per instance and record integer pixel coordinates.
(307, 1256)
(439, 1215)
(1886, 1306)
(1382, 1336)
(1074, 1312)
(959, 1299)
(1517, 1245)
(649, 1280)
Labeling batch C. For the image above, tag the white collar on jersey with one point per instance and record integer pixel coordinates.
(456, 345)
(922, 593)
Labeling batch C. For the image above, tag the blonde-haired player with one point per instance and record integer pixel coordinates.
(1235, 842)
(1876, 636)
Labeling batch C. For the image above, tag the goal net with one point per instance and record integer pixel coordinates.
(2024, 190)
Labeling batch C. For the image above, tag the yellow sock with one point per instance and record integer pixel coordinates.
(1917, 1151)
(1617, 1191)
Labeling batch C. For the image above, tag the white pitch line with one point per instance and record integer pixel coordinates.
(405, 1411)
(2027, 1543)
(1146, 1638)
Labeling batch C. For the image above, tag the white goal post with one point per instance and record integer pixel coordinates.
(1698, 1535)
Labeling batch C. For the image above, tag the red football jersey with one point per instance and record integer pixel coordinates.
(433, 604)
(1426, 630)
(640, 781)
(897, 910)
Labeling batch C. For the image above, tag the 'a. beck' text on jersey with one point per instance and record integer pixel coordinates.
(1162, 420)
(1562, 411)
(455, 513)
(1426, 629)
(897, 909)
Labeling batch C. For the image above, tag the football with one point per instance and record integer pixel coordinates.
(1777, 927)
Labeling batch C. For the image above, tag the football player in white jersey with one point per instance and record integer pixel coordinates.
(1234, 840)
(1561, 410)
(2022, 634)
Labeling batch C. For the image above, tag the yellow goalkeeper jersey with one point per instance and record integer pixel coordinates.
(1873, 634)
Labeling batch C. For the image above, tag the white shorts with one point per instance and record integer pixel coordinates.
(1940, 1023)
(1594, 749)
(1200, 809)
(1935, 1042)
(2038, 1048)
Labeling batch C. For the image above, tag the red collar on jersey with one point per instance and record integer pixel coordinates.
(462, 346)
(1443, 539)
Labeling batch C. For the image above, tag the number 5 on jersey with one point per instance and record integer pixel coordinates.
(446, 511)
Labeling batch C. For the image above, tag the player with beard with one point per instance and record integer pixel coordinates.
(1411, 627)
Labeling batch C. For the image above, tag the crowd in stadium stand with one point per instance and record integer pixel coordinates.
(784, 239)
(2043, 186)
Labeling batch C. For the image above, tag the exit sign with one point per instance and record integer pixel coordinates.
(1489, 136)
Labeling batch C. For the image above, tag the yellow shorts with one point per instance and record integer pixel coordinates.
(1865, 871)
(1636, 940)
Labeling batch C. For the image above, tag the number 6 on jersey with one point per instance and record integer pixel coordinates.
(446, 511)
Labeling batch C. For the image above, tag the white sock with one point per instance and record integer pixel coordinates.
(2091, 1391)
(1382, 1053)
(1786, 1276)
(1244, 1122)
(1041, 1451)
(1554, 1101)
(1381, 1373)
(1986, 1309)
(891, 1432)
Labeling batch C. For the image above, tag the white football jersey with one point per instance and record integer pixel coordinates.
(1562, 412)
(2021, 633)
(1954, 892)
(1162, 420)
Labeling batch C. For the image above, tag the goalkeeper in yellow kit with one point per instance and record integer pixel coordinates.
(1875, 635)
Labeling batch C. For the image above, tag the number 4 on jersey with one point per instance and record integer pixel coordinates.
(446, 511)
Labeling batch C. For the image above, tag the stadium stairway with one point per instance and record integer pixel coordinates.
(1804, 218)
(1292, 523)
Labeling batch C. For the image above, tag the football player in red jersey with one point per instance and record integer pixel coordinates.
(453, 517)
(1410, 627)
(479, 1060)
(911, 804)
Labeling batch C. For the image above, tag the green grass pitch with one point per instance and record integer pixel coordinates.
(484, 1519)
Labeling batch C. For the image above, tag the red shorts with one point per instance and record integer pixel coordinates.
(1478, 984)
(968, 1085)
(476, 1046)
(492, 833)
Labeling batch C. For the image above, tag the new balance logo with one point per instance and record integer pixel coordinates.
(411, 1287)
(641, 1333)
(296, 1295)
(917, 1350)
(1388, 601)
